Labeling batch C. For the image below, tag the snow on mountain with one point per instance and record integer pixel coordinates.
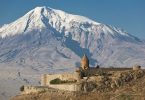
(41, 17)
(76, 33)
(49, 40)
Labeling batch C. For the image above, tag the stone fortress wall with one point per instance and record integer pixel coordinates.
(78, 76)
(46, 78)
(67, 87)
(34, 89)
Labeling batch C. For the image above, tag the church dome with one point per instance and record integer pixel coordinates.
(85, 62)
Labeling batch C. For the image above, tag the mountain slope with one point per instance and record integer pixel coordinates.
(49, 40)
(76, 33)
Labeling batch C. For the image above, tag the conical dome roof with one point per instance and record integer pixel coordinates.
(85, 62)
(85, 57)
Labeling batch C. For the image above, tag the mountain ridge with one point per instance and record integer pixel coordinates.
(76, 33)
(42, 13)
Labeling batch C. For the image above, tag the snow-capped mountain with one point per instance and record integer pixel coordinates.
(49, 40)
(66, 37)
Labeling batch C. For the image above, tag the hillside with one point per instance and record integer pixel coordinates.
(131, 90)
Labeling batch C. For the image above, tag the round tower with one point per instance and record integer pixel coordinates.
(136, 67)
(85, 62)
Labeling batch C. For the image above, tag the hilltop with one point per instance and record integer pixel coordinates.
(127, 89)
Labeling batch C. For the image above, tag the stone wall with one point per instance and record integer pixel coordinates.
(34, 89)
(136, 67)
(46, 78)
(67, 87)
(43, 80)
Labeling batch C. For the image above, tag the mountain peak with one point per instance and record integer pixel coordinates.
(49, 18)
(41, 17)
(62, 15)
(40, 10)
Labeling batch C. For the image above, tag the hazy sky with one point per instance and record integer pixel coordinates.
(126, 14)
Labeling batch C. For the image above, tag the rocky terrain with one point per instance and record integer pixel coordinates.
(118, 85)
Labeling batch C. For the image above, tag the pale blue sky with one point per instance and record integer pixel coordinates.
(126, 14)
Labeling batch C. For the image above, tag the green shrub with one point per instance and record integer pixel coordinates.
(59, 81)
(55, 81)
